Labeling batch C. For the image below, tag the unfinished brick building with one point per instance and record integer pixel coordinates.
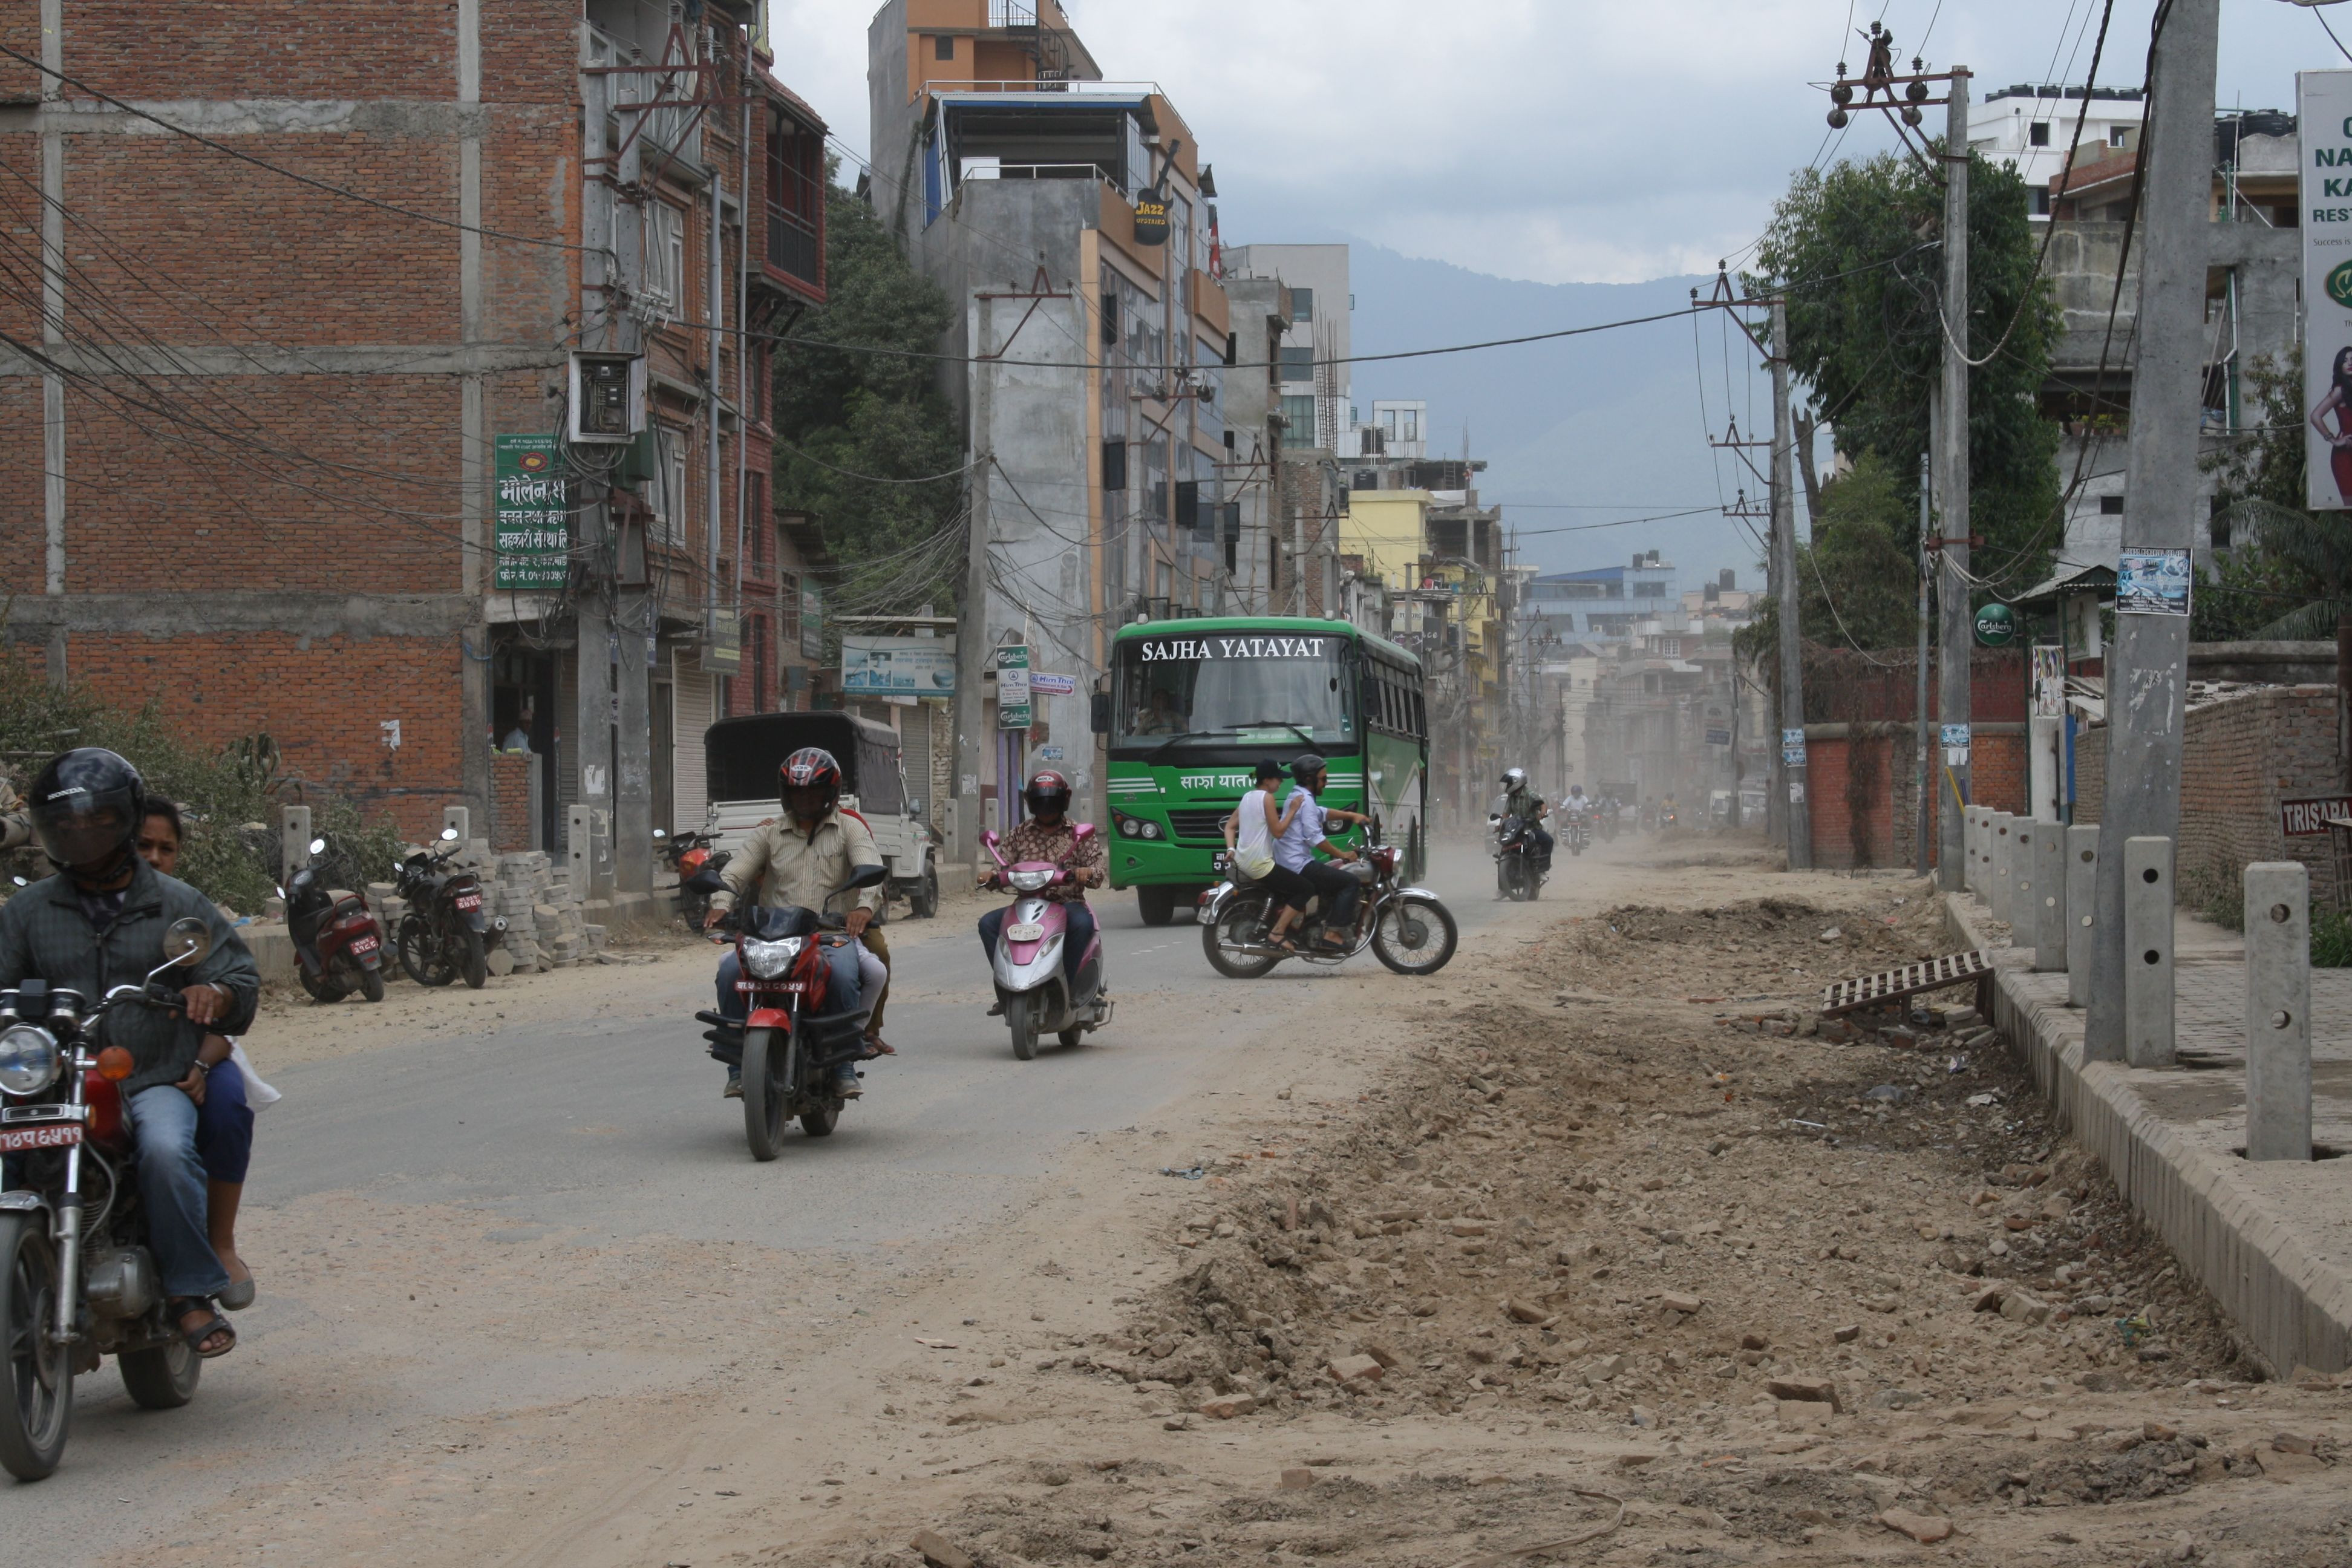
(282, 287)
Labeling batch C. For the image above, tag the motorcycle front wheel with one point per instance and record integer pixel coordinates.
(1231, 931)
(1021, 1017)
(474, 961)
(1415, 935)
(161, 1378)
(765, 1092)
(420, 954)
(38, 1409)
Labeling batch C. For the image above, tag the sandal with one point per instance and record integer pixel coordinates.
(875, 1045)
(213, 1324)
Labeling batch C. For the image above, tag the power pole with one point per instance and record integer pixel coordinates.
(1784, 556)
(1953, 695)
(971, 610)
(1923, 757)
(2147, 666)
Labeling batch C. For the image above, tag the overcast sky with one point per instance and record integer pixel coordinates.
(1556, 141)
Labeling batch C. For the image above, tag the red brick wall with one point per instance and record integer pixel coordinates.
(1859, 789)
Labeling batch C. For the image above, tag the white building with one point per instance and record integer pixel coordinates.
(1316, 380)
(2030, 128)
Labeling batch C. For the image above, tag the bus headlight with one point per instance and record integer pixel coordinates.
(28, 1058)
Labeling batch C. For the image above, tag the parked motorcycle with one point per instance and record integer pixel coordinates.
(1409, 929)
(78, 1280)
(687, 854)
(338, 942)
(1519, 860)
(1039, 997)
(447, 932)
(786, 1047)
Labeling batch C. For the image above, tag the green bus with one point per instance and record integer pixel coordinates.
(1194, 704)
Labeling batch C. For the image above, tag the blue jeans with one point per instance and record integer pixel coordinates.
(841, 992)
(1075, 942)
(172, 1186)
(224, 1126)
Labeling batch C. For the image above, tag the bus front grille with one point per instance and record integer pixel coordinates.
(1201, 827)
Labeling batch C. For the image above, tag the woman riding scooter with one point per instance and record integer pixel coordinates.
(1047, 836)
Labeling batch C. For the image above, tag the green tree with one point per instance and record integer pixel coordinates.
(1857, 579)
(1857, 248)
(846, 419)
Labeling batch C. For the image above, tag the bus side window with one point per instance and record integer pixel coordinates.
(1420, 717)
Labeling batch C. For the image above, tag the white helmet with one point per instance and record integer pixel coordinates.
(1515, 778)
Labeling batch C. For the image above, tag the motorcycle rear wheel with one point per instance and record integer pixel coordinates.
(371, 984)
(1021, 1017)
(1415, 936)
(474, 961)
(161, 1378)
(765, 1071)
(38, 1411)
(1239, 920)
(420, 954)
(321, 988)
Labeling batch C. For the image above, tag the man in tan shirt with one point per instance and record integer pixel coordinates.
(799, 859)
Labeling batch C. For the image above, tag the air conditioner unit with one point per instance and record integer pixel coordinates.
(608, 398)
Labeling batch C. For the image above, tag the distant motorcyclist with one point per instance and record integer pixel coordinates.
(797, 860)
(1308, 835)
(1047, 836)
(1524, 803)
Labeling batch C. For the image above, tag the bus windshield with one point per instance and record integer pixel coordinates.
(1234, 688)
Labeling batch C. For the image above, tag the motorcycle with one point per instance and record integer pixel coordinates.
(78, 1280)
(1038, 996)
(1609, 825)
(338, 943)
(446, 933)
(787, 1051)
(1519, 872)
(1669, 820)
(1409, 929)
(687, 854)
(1576, 830)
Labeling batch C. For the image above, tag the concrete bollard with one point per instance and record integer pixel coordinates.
(2147, 952)
(2278, 1011)
(1971, 879)
(1981, 853)
(588, 850)
(2024, 909)
(293, 840)
(2049, 897)
(2082, 905)
(460, 818)
(2004, 865)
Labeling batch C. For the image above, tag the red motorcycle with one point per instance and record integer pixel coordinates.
(338, 944)
(688, 853)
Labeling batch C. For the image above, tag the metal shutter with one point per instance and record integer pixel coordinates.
(690, 705)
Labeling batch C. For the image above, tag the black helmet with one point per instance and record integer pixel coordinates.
(86, 807)
(1307, 767)
(1047, 791)
(810, 767)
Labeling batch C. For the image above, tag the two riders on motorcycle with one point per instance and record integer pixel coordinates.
(1529, 808)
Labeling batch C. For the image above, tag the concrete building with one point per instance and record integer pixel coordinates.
(319, 460)
(2030, 128)
(1316, 392)
(1602, 606)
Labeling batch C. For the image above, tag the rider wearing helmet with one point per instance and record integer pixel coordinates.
(1309, 835)
(1524, 803)
(101, 921)
(1048, 836)
(798, 859)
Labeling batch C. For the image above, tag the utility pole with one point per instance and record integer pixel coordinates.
(1923, 757)
(2147, 666)
(1953, 695)
(1784, 556)
(971, 605)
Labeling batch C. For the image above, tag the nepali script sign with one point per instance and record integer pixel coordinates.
(2324, 143)
(533, 527)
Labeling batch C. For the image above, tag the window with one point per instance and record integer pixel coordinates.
(666, 495)
(788, 604)
(943, 47)
(1298, 366)
(1299, 412)
(2118, 136)
(2111, 506)
(795, 200)
(2041, 201)
(1302, 304)
(664, 261)
(2038, 133)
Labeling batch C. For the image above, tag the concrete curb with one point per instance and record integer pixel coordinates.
(2230, 1237)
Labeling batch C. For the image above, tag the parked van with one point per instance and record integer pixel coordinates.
(746, 756)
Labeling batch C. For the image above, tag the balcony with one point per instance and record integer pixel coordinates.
(796, 250)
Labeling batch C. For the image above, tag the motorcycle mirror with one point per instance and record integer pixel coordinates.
(448, 836)
(865, 877)
(20, 881)
(991, 839)
(186, 941)
(660, 833)
(318, 847)
(1083, 831)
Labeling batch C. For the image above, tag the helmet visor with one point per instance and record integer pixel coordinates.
(83, 829)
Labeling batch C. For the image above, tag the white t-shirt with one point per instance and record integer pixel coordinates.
(1252, 842)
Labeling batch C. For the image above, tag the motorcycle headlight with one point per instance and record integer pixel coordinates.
(1029, 882)
(28, 1058)
(766, 960)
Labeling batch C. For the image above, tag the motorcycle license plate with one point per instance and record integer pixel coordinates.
(1221, 861)
(363, 944)
(470, 901)
(789, 987)
(17, 1139)
(1025, 931)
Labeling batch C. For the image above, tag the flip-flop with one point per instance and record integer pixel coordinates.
(880, 1046)
(212, 1325)
(239, 1296)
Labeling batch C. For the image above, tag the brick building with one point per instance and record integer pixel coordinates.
(288, 288)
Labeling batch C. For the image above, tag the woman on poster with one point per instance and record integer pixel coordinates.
(2339, 440)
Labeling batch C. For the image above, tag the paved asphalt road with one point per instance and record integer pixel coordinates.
(604, 1126)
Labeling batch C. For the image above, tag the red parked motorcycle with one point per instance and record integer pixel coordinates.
(338, 944)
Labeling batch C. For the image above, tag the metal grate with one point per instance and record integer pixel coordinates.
(1927, 974)
(1201, 827)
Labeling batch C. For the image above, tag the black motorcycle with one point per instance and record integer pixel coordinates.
(447, 932)
(1609, 823)
(788, 1051)
(1520, 869)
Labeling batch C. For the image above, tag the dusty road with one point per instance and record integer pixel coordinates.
(1554, 1247)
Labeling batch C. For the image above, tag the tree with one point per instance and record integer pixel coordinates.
(852, 427)
(1857, 580)
(1856, 249)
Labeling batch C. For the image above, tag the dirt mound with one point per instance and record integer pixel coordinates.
(1772, 946)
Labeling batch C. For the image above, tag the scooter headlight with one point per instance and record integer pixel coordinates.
(766, 960)
(1029, 882)
(28, 1058)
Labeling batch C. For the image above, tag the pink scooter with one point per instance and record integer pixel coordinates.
(1038, 996)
